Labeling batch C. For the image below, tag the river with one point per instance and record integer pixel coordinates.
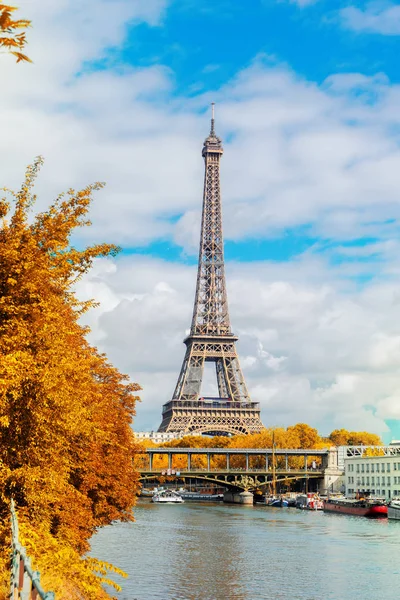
(198, 551)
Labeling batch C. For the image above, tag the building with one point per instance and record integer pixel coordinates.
(157, 437)
(376, 475)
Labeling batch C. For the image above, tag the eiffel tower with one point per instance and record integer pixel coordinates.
(211, 338)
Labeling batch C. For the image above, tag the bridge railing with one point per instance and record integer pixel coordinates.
(179, 470)
(24, 582)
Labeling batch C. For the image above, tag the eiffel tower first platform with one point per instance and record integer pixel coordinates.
(211, 338)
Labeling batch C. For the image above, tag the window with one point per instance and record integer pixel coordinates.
(388, 481)
(378, 481)
(383, 492)
(395, 466)
(383, 480)
(398, 466)
(367, 468)
(395, 479)
(362, 481)
(377, 468)
(372, 480)
(372, 468)
(367, 480)
(362, 468)
(358, 468)
(387, 467)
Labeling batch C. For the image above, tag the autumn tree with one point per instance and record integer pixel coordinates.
(12, 34)
(342, 437)
(66, 446)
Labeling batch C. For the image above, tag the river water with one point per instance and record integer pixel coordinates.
(204, 551)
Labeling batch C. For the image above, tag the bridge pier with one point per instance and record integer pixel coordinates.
(238, 497)
(333, 476)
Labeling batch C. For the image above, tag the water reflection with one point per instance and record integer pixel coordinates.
(214, 552)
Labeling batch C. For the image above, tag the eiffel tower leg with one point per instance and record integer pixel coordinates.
(235, 380)
(221, 379)
(190, 378)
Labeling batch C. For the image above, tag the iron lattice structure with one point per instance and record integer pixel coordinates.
(211, 338)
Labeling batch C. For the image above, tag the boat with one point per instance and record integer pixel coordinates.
(167, 497)
(309, 501)
(201, 497)
(394, 509)
(364, 507)
(278, 502)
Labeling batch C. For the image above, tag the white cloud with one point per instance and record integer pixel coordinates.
(315, 346)
(378, 17)
(330, 359)
(298, 153)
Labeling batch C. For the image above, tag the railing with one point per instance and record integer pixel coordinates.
(202, 404)
(234, 451)
(25, 582)
(232, 470)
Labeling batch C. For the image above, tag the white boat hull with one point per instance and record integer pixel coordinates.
(167, 501)
(394, 511)
(167, 497)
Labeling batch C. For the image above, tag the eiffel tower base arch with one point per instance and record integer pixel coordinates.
(227, 418)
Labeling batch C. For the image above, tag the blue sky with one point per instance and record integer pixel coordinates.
(206, 44)
(307, 96)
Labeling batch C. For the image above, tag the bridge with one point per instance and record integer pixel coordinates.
(241, 469)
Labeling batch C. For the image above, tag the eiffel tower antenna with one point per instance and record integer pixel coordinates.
(212, 132)
(210, 338)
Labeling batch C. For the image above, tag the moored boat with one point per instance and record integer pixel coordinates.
(278, 502)
(309, 501)
(360, 508)
(201, 497)
(394, 509)
(167, 497)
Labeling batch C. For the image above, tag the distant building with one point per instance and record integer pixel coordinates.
(157, 437)
(376, 475)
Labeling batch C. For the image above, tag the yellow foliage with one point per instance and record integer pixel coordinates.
(342, 437)
(297, 436)
(66, 445)
(11, 40)
(374, 452)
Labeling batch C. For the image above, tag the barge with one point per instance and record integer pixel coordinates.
(359, 508)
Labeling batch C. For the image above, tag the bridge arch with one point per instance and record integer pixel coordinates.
(219, 429)
(242, 481)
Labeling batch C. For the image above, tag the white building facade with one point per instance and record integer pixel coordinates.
(377, 475)
(157, 437)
